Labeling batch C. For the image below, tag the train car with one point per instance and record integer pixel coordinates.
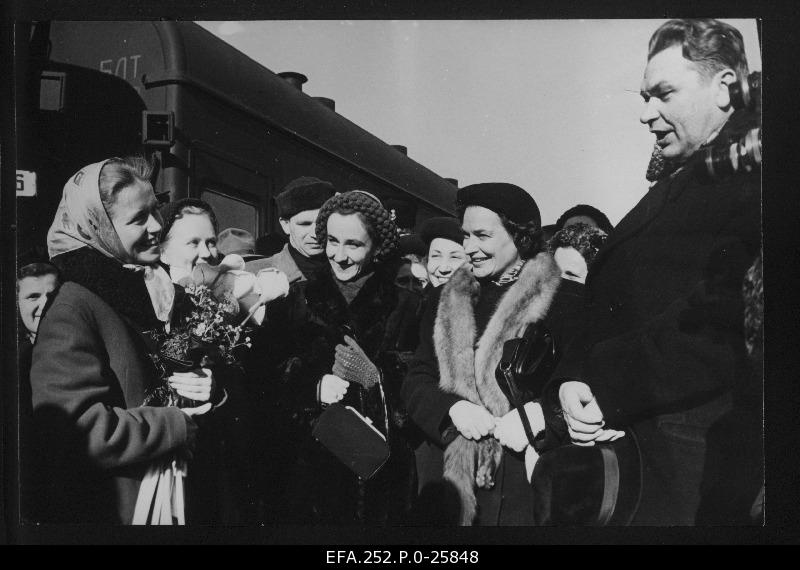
(221, 126)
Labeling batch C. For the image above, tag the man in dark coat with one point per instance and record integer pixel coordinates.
(662, 347)
(298, 205)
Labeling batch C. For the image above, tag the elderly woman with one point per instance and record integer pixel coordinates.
(443, 239)
(92, 367)
(451, 391)
(331, 338)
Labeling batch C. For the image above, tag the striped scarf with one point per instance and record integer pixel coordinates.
(511, 275)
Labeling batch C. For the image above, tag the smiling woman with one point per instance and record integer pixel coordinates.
(90, 367)
(331, 343)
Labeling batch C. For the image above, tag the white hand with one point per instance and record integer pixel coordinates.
(332, 389)
(472, 421)
(196, 385)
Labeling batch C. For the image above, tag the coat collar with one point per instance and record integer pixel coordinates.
(669, 189)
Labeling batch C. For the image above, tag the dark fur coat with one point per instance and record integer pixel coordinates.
(302, 481)
(467, 364)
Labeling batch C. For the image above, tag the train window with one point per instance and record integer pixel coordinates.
(51, 91)
(232, 212)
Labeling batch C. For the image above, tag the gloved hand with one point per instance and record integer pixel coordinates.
(354, 366)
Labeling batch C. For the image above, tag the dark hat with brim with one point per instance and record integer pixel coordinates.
(238, 241)
(301, 194)
(598, 485)
(441, 227)
(502, 198)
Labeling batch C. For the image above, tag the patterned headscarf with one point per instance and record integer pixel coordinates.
(82, 221)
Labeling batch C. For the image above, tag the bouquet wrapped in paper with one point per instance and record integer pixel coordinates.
(222, 302)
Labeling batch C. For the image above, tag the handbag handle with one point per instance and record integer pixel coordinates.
(506, 365)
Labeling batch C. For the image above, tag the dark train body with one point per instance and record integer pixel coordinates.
(240, 131)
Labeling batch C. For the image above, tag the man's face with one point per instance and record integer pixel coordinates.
(32, 297)
(682, 107)
(301, 231)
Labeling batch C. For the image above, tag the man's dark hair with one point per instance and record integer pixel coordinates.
(599, 217)
(712, 45)
(37, 269)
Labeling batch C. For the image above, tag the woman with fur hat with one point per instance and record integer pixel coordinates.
(475, 464)
(332, 337)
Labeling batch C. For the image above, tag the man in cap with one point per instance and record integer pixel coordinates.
(298, 205)
(662, 352)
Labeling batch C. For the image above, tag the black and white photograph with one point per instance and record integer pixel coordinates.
(310, 279)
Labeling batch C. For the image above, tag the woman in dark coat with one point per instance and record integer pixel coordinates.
(451, 391)
(333, 340)
(92, 367)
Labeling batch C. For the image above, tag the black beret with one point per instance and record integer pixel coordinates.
(441, 227)
(502, 198)
(301, 194)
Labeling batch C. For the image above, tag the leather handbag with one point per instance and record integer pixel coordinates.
(353, 439)
(526, 363)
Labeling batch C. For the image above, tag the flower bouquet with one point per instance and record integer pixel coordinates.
(221, 303)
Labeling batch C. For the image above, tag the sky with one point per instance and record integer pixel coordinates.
(550, 105)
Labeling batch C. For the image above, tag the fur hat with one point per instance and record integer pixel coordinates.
(301, 194)
(441, 227)
(600, 219)
(502, 198)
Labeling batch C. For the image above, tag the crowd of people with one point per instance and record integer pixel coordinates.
(645, 340)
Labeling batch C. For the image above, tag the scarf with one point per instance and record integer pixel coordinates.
(307, 265)
(82, 221)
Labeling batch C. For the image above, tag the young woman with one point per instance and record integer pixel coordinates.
(92, 368)
(331, 345)
(472, 466)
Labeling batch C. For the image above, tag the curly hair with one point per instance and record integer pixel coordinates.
(528, 237)
(37, 269)
(587, 240)
(376, 219)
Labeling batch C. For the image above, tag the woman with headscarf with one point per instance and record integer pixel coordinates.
(92, 365)
(331, 340)
(473, 464)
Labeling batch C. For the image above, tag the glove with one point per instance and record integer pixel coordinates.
(353, 365)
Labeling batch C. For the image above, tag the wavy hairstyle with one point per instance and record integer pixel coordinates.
(119, 173)
(528, 237)
(712, 45)
(376, 219)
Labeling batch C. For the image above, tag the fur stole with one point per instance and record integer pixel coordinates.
(466, 368)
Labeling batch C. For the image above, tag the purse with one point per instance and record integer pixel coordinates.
(526, 363)
(353, 439)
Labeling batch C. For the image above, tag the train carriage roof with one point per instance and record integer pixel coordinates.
(193, 57)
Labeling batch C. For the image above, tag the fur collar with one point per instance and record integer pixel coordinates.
(366, 314)
(466, 368)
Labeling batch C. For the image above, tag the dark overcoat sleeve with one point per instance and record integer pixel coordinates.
(691, 349)
(72, 378)
(427, 404)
